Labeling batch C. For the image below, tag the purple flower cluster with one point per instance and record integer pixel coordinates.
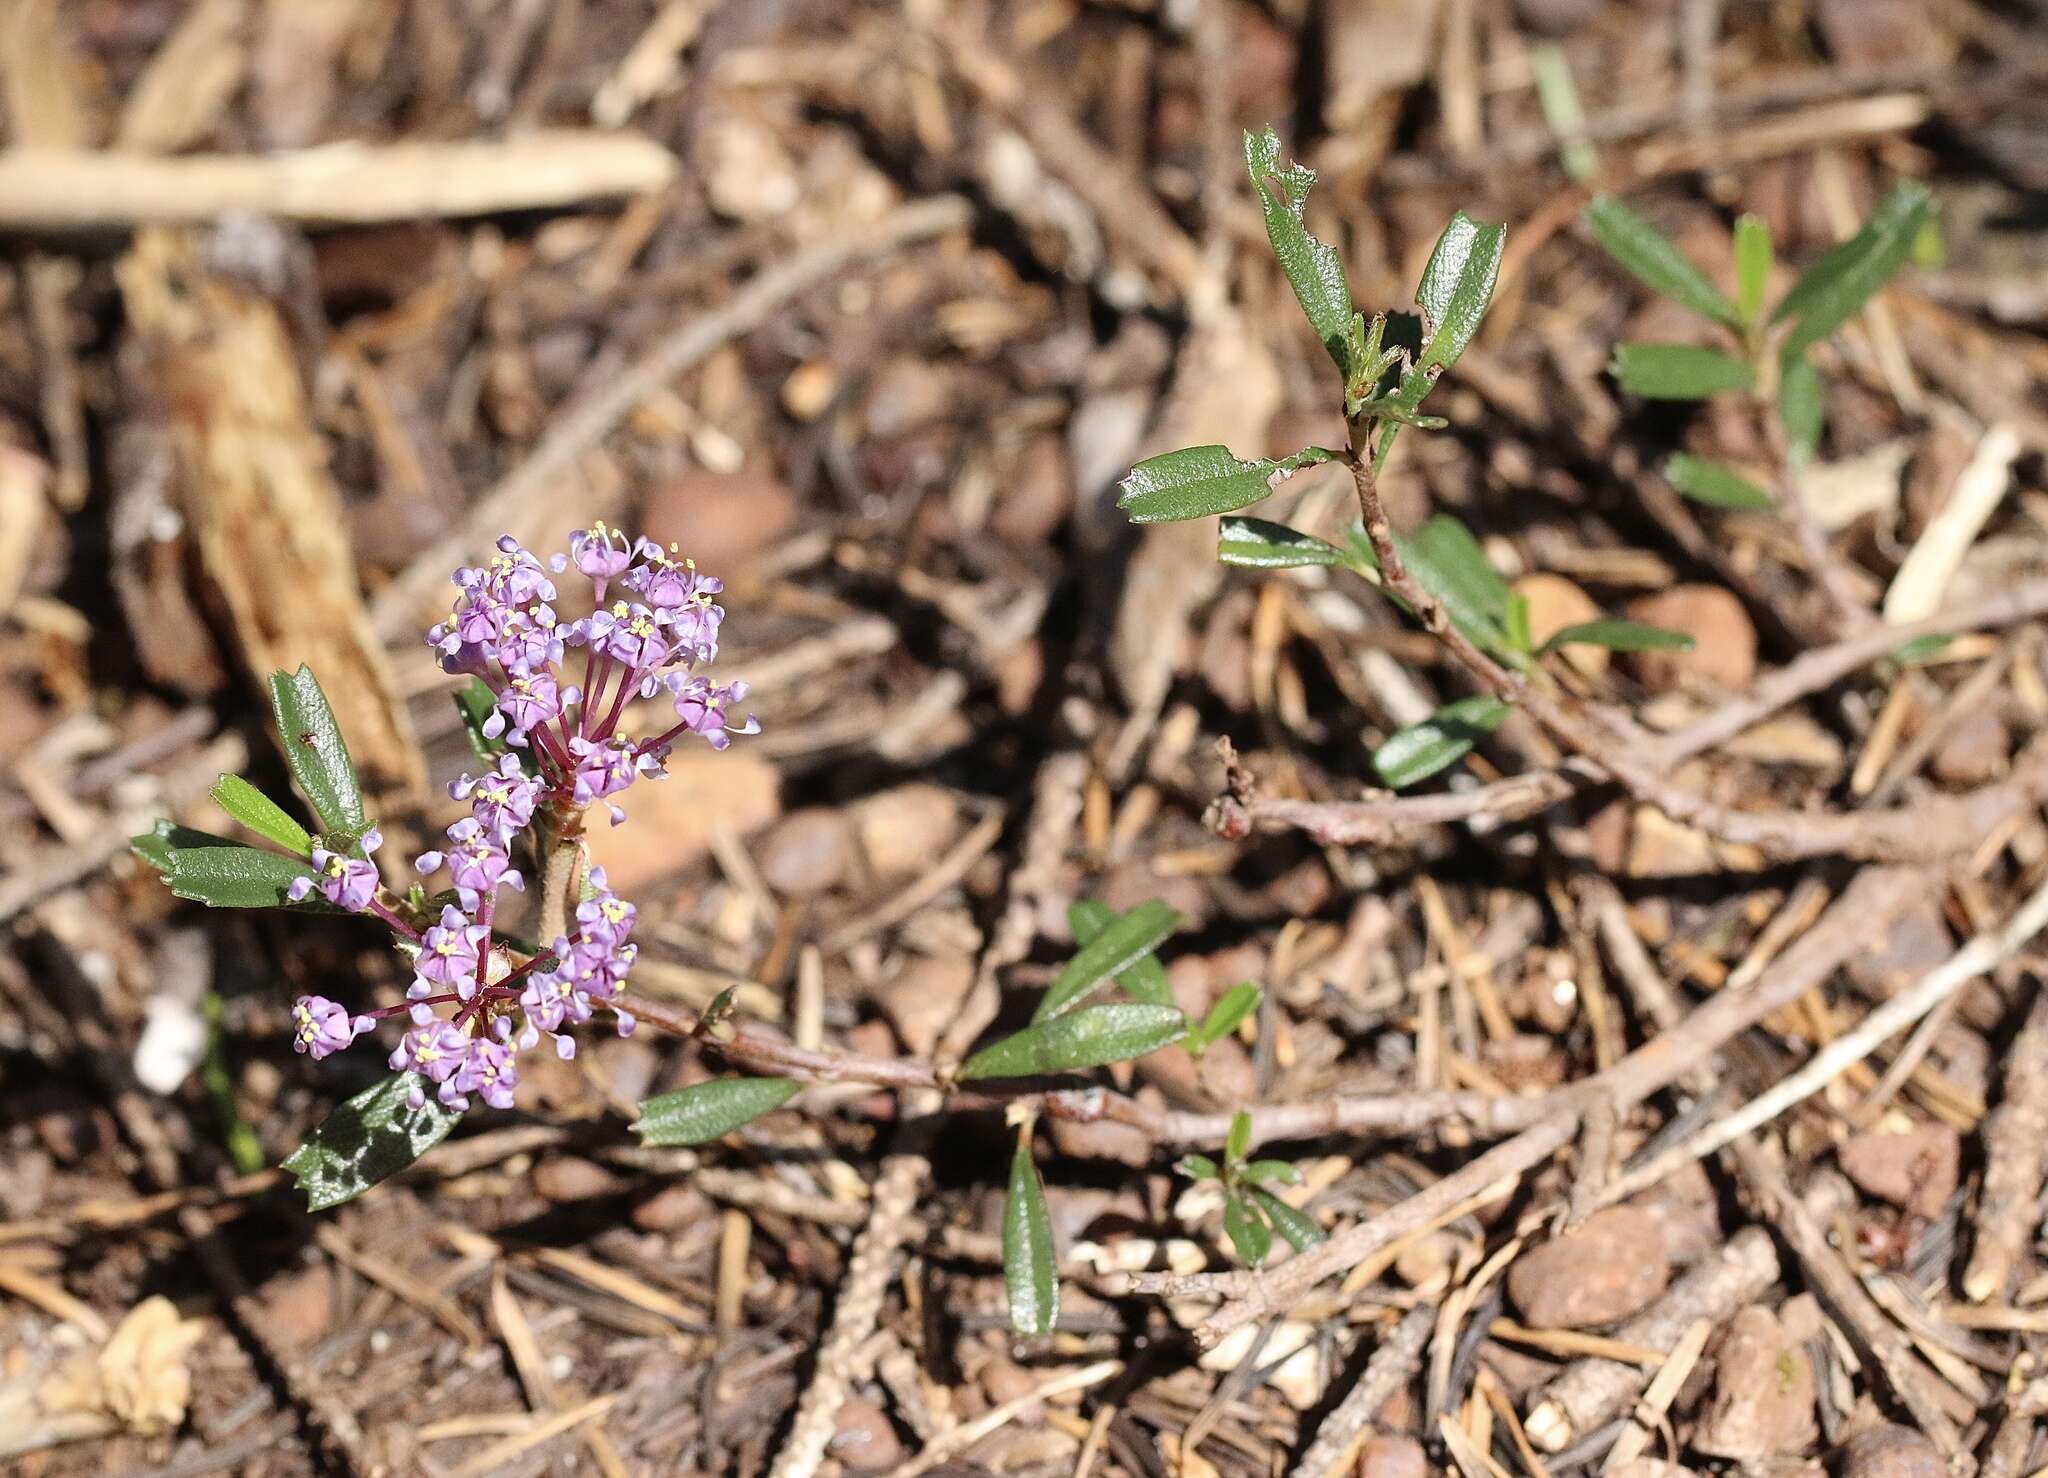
(504, 629)
(654, 623)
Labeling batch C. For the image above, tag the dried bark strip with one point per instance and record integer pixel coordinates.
(2015, 1155)
(1391, 1367)
(1594, 1391)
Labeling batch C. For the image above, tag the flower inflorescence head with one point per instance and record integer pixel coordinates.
(655, 621)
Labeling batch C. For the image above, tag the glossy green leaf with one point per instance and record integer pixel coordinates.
(1090, 1037)
(1238, 1142)
(261, 814)
(1253, 543)
(1297, 1227)
(369, 1138)
(1678, 371)
(1452, 566)
(707, 1111)
(317, 754)
(1115, 949)
(1752, 266)
(1232, 1007)
(1197, 1167)
(1620, 636)
(1921, 650)
(1145, 978)
(1438, 742)
(1800, 410)
(1247, 1228)
(1267, 1172)
(1456, 286)
(1200, 480)
(1030, 1264)
(1837, 286)
(475, 703)
(1313, 268)
(1655, 261)
(222, 873)
(1715, 484)
(1520, 637)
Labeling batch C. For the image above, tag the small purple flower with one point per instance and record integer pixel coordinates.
(606, 769)
(693, 627)
(488, 1070)
(451, 952)
(347, 882)
(529, 700)
(515, 576)
(551, 1002)
(601, 560)
(321, 1027)
(665, 582)
(531, 640)
(703, 706)
(605, 919)
(628, 633)
(436, 1051)
(502, 801)
(478, 864)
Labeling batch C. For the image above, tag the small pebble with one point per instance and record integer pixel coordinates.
(1888, 1451)
(903, 831)
(1917, 1169)
(1038, 493)
(1976, 753)
(924, 997)
(1392, 1456)
(564, 1178)
(864, 1440)
(300, 1307)
(722, 520)
(806, 852)
(1723, 655)
(672, 1208)
(1762, 1404)
(1602, 1271)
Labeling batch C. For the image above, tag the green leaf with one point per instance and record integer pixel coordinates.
(1715, 484)
(261, 814)
(1834, 288)
(369, 1138)
(1232, 1007)
(1145, 978)
(1439, 741)
(475, 703)
(1519, 636)
(1094, 1035)
(1253, 543)
(1248, 1231)
(222, 873)
(1620, 636)
(1267, 1171)
(1752, 266)
(1449, 562)
(1559, 97)
(1030, 1265)
(1200, 480)
(1238, 1142)
(1653, 260)
(1456, 286)
(707, 1111)
(1800, 409)
(1678, 371)
(1115, 949)
(317, 754)
(1921, 650)
(1312, 267)
(1297, 1227)
(1197, 1167)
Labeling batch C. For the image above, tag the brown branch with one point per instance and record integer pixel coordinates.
(2015, 1151)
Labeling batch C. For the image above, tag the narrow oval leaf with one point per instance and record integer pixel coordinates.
(1232, 1007)
(1653, 260)
(1197, 1167)
(1456, 286)
(1834, 288)
(1715, 484)
(369, 1138)
(1248, 1231)
(1297, 1227)
(1313, 268)
(316, 752)
(1438, 742)
(1253, 543)
(707, 1111)
(1145, 978)
(1197, 481)
(1265, 1172)
(1800, 410)
(1237, 1143)
(222, 873)
(1678, 371)
(1030, 1265)
(1090, 1037)
(1752, 266)
(1559, 97)
(1114, 950)
(1453, 567)
(1620, 636)
(1921, 650)
(261, 814)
